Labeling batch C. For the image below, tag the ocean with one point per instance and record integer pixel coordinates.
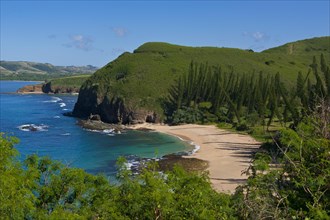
(38, 121)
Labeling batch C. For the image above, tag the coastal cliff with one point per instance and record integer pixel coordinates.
(134, 87)
(48, 88)
(31, 89)
(111, 109)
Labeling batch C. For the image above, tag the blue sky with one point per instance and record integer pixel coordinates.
(96, 32)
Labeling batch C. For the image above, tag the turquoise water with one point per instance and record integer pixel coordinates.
(60, 138)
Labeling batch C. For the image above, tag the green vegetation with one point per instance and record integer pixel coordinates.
(20, 70)
(70, 81)
(142, 79)
(312, 46)
(289, 179)
(44, 189)
(206, 94)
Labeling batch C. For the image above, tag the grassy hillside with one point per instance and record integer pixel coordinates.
(69, 84)
(142, 78)
(21, 70)
(313, 46)
(70, 81)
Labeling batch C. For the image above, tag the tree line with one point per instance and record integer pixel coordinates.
(207, 94)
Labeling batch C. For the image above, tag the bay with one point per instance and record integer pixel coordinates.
(60, 137)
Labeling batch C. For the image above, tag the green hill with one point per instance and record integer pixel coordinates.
(132, 87)
(22, 70)
(313, 46)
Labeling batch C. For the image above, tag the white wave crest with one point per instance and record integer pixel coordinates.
(33, 127)
(62, 104)
(109, 132)
(197, 148)
(54, 100)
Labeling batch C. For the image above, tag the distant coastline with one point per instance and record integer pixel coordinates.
(15, 80)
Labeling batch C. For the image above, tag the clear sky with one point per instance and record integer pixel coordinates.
(96, 32)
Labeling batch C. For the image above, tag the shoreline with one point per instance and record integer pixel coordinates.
(21, 80)
(227, 153)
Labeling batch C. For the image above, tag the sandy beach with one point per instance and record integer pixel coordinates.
(228, 153)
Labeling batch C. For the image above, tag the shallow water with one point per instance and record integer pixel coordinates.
(38, 121)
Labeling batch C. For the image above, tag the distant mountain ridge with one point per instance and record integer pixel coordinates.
(26, 70)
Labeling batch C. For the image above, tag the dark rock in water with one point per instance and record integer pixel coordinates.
(33, 127)
(47, 88)
(29, 127)
(69, 114)
(189, 164)
(166, 163)
(100, 126)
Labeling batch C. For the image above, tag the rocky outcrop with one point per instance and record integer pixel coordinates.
(49, 88)
(111, 110)
(100, 126)
(31, 89)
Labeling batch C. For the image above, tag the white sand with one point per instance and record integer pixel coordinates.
(228, 153)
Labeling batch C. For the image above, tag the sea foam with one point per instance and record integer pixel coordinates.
(33, 127)
(54, 100)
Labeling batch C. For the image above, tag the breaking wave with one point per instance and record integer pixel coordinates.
(66, 134)
(54, 100)
(109, 132)
(33, 127)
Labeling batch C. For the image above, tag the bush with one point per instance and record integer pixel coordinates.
(186, 115)
(242, 127)
(269, 62)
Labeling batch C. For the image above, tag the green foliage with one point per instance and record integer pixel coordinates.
(242, 126)
(312, 46)
(156, 67)
(71, 81)
(296, 185)
(45, 189)
(224, 96)
(245, 100)
(16, 198)
(186, 115)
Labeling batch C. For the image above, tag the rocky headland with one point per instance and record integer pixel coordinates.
(48, 88)
(31, 89)
(94, 123)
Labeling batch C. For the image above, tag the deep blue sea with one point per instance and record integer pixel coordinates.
(60, 137)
